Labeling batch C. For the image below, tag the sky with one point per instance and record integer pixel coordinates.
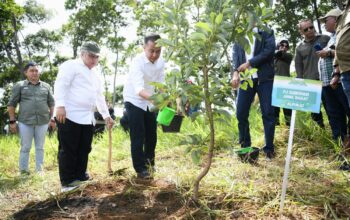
(60, 16)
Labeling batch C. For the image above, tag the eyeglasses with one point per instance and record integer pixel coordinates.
(308, 29)
(93, 56)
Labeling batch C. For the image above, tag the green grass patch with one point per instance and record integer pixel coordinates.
(317, 188)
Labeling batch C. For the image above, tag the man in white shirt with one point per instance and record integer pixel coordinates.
(145, 68)
(78, 92)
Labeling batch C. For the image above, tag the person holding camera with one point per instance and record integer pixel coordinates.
(283, 60)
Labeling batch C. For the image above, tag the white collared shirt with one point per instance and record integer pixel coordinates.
(251, 55)
(79, 90)
(141, 73)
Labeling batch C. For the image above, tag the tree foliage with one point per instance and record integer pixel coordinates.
(10, 24)
(16, 49)
(95, 20)
(197, 40)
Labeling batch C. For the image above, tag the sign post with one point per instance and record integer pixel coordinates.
(295, 94)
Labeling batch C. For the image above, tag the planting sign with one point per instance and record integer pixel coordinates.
(297, 94)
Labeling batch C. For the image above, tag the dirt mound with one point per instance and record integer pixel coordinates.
(119, 199)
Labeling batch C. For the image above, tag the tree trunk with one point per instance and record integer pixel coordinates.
(115, 78)
(340, 4)
(314, 5)
(17, 47)
(209, 113)
(116, 68)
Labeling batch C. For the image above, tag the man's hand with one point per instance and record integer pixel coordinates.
(13, 128)
(334, 82)
(243, 67)
(278, 53)
(235, 80)
(109, 123)
(61, 114)
(52, 124)
(322, 53)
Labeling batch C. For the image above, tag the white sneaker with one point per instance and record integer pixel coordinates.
(68, 188)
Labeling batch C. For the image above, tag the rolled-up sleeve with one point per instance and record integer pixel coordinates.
(15, 95)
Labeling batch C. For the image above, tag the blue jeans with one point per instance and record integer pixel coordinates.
(244, 101)
(337, 109)
(27, 133)
(143, 136)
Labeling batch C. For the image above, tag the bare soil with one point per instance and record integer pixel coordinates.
(115, 199)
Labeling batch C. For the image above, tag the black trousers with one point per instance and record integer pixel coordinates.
(287, 115)
(73, 150)
(143, 136)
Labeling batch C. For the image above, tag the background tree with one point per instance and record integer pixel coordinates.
(93, 20)
(14, 46)
(10, 25)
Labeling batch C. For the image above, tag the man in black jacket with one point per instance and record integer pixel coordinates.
(283, 60)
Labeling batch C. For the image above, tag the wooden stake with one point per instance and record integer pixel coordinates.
(110, 151)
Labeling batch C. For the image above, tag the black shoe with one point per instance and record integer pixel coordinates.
(24, 173)
(144, 175)
(345, 166)
(270, 155)
(86, 177)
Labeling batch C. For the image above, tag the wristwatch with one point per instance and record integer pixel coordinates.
(12, 121)
(329, 53)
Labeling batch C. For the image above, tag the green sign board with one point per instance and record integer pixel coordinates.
(297, 94)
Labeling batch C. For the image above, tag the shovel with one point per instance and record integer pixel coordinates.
(110, 171)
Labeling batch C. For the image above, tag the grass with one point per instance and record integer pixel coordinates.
(316, 190)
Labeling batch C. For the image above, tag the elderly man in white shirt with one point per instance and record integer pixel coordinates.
(78, 91)
(145, 68)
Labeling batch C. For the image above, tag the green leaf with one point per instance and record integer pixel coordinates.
(218, 19)
(219, 103)
(195, 157)
(204, 26)
(224, 113)
(188, 149)
(244, 85)
(250, 82)
(158, 85)
(212, 16)
(222, 39)
(165, 42)
(198, 36)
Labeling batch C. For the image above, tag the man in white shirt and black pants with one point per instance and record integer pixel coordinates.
(78, 91)
(145, 68)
